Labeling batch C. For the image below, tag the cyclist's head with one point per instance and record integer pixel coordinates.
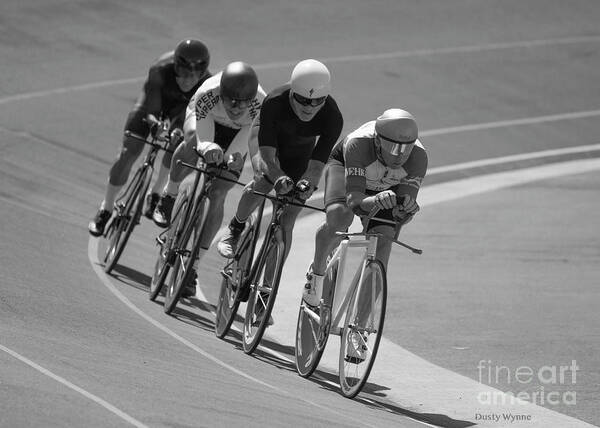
(239, 85)
(310, 85)
(191, 59)
(395, 135)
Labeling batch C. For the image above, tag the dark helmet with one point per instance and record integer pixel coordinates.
(239, 81)
(192, 55)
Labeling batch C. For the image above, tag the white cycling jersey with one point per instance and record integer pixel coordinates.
(206, 109)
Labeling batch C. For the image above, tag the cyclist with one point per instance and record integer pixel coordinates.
(381, 164)
(298, 125)
(171, 82)
(217, 126)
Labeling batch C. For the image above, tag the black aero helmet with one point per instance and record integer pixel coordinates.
(192, 55)
(239, 81)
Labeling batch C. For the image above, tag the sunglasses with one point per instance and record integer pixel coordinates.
(196, 66)
(233, 102)
(393, 147)
(313, 102)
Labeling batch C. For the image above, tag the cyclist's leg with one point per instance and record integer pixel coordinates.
(120, 170)
(184, 153)
(338, 216)
(130, 151)
(216, 196)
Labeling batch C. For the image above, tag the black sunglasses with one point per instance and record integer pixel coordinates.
(196, 66)
(313, 102)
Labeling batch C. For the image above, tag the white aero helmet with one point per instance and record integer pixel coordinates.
(396, 128)
(311, 79)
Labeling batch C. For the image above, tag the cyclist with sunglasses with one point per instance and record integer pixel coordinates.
(217, 126)
(171, 82)
(381, 164)
(298, 125)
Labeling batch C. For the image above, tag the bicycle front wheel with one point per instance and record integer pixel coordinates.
(362, 330)
(185, 256)
(312, 328)
(263, 290)
(166, 254)
(234, 275)
(128, 215)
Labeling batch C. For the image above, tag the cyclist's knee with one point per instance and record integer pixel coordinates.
(131, 150)
(339, 216)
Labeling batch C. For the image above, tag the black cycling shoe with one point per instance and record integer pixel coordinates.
(97, 225)
(150, 206)
(189, 289)
(162, 213)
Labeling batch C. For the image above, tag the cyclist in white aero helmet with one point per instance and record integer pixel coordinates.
(298, 125)
(381, 164)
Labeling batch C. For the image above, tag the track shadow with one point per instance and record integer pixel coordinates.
(131, 277)
(372, 395)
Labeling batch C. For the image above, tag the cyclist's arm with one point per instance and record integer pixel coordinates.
(267, 140)
(357, 155)
(416, 168)
(153, 99)
(205, 123)
(270, 163)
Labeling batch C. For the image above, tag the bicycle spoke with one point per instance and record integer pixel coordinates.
(362, 329)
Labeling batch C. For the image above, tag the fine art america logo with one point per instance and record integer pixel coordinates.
(545, 385)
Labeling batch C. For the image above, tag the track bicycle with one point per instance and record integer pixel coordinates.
(357, 315)
(236, 274)
(180, 243)
(130, 204)
(263, 280)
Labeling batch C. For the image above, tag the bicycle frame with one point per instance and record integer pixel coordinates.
(338, 309)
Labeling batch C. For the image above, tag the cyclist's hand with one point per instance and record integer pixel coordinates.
(305, 189)
(176, 136)
(160, 130)
(213, 154)
(405, 211)
(235, 162)
(385, 200)
(283, 185)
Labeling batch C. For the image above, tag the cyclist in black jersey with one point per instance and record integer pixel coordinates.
(171, 82)
(291, 140)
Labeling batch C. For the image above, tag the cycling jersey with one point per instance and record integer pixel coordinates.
(364, 171)
(295, 140)
(206, 113)
(162, 96)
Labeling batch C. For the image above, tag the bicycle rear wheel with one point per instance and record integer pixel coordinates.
(362, 330)
(263, 290)
(234, 275)
(127, 217)
(312, 328)
(166, 253)
(186, 253)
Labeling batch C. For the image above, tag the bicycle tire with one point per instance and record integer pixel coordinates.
(354, 370)
(311, 333)
(183, 266)
(255, 324)
(165, 259)
(125, 222)
(232, 283)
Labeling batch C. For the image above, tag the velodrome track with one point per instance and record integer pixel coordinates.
(506, 95)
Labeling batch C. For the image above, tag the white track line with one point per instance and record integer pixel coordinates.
(335, 59)
(76, 388)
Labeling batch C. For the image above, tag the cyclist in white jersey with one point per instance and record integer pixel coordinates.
(217, 126)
